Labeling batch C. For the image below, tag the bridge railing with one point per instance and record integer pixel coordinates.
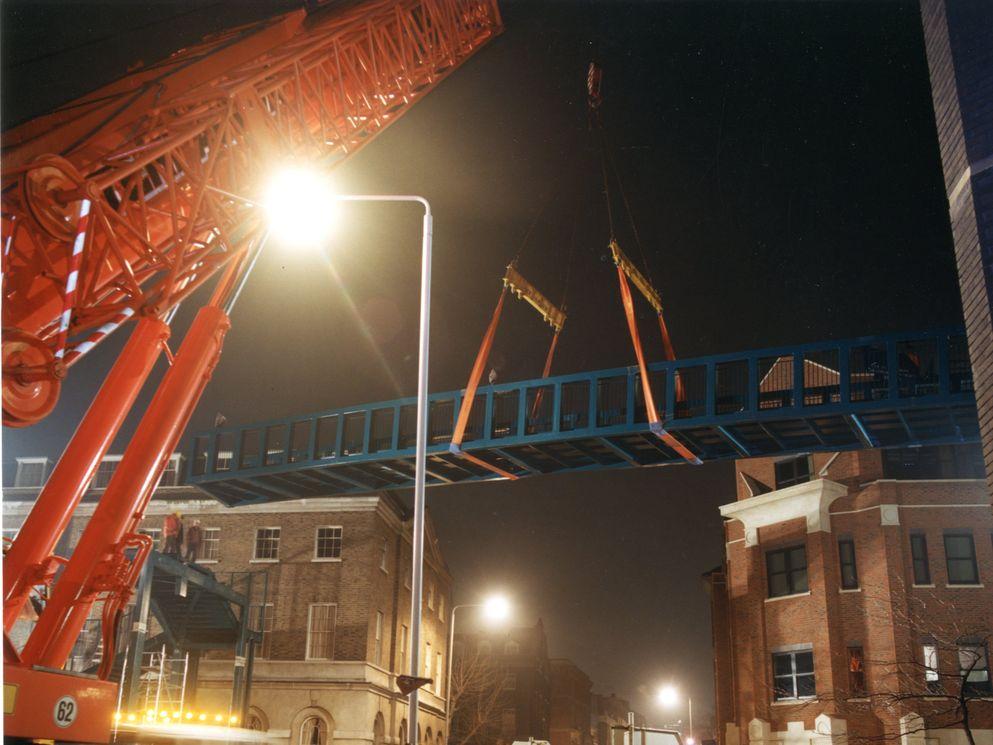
(918, 369)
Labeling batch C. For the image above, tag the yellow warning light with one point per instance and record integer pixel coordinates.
(202, 717)
(233, 719)
(163, 713)
(219, 718)
(189, 715)
(176, 715)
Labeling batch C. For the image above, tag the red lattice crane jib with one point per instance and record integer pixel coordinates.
(139, 153)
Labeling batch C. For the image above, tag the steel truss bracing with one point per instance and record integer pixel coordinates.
(902, 390)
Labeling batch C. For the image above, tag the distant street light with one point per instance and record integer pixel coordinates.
(299, 206)
(496, 609)
(668, 696)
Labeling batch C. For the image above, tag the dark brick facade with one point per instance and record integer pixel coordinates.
(572, 693)
(959, 40)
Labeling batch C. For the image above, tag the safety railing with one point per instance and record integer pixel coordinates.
(902, 371)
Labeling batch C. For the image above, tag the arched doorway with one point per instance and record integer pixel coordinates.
(403, 732)
(312, 726)
(379, 730)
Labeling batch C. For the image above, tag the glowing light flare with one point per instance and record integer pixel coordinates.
(301, 207)
(668, 696)
(496, 609)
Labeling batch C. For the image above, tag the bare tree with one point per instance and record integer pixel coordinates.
(938, 670)
(476, 690)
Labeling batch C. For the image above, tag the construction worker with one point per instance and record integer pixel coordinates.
(172, 532)
(193, 536)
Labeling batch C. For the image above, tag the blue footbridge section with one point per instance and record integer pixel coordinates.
(902, 390)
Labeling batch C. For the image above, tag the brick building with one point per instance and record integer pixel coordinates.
(609, 710)
(337, 613)
(521, 657)
(958, 38)
(857, 590)
(571, 699)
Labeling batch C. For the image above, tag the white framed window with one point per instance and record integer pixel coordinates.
(932, 677)
(31, 472)
(260, 618)
(320, 630)
(266, 544)
(402, 669)
(793, 675)
(173, 473)
(222, 461)
(427, 659)
(154, 533)
(105, 471)
(377, 653)
(384, 556)
(210, 546)
(327, 543)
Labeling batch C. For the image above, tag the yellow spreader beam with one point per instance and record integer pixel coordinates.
(524, 290)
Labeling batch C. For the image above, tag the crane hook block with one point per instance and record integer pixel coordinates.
(637, 278)
(524, 290)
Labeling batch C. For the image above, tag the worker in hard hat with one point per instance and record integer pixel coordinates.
(172, 531)
(193, 536)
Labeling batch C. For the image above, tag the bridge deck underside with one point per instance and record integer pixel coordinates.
(899, 391)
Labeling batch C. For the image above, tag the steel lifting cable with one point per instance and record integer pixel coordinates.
(626, 270)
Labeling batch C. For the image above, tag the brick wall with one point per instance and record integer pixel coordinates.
(959, 43)
(885, 615)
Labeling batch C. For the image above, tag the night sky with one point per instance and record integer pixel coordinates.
(782, 168)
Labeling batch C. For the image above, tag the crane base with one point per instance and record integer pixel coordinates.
(57, 705)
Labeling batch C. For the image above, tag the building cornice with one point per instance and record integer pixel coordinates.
(810, 501)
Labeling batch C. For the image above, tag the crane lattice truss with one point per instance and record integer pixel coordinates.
(139, 154)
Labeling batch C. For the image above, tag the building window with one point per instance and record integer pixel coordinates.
(266, 544)
(932, 677)
(171, 474)
(427, 659)
(438, 674)
(960, 556)
(856, 671)
(974, 668)
(849, 571)
(511, 648)
(792, 471)
(320, 631)
(787, 570)
(9, 534)
(441, 607)
(105, 472)
(403, 651)
(210, 545)
(260, 619)
(793, 675)
(313, 731)
(31, 472)
(384, 555)
(327, 543)
(430, 597)
(377, 655)
(922, 567)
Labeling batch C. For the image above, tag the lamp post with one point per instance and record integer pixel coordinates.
(307, 200)
(496, 608)
(668, 697)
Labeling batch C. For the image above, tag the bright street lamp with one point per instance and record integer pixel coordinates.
(496, 608)
(307, 198)
(668, 696)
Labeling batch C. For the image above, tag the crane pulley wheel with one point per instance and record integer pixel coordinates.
(42, 188)
(31, 385)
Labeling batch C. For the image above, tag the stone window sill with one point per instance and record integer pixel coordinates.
(796, 701)
(965, 587)
(787, 597)
(263, 561)
(326, 559)
(923, 585)
(853, 589)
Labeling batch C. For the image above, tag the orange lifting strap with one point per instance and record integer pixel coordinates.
(553, 316)
(625, 270)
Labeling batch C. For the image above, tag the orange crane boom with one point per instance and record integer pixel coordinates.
(111, 212)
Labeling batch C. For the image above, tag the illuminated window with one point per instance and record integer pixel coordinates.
(327, 542)
(320, 631)
(266, 544)
(793, 675)
(856, 671)
(932, 676)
